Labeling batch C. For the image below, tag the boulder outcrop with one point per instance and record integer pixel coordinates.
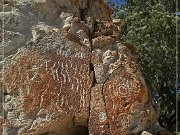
(66, 73)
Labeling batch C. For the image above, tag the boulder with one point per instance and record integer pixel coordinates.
(65, 72)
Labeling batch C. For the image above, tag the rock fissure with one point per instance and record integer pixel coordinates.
(82, 13)
(105, 106)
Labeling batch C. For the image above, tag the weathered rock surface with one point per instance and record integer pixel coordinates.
(66, 73)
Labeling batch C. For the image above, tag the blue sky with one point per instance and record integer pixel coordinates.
(118, 2)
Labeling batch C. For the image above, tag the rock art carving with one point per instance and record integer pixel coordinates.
(66, 73)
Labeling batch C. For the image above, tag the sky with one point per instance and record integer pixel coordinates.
(119, 2)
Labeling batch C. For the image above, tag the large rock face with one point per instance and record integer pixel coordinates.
(66, 73)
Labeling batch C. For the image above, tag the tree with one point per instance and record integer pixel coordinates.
(152, 29)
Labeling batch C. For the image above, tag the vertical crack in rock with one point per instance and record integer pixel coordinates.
(94, 28)
(105, 105)
(91, 67)
(82, 14)
(88, 3)
(98, 122)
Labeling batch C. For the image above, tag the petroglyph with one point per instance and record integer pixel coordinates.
(61, 82)
(120, 93)
(69, 74)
